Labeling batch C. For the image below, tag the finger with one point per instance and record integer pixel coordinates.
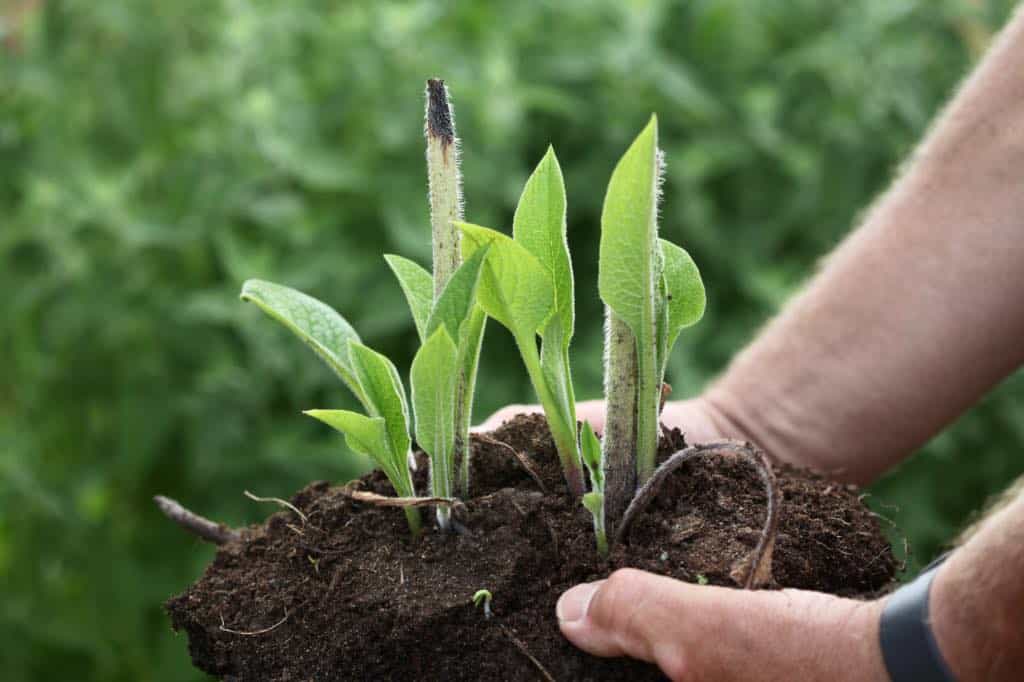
(591, 411)
(632, 613)
(504, 414)
(698, 632)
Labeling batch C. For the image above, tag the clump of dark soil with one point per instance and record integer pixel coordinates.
(348, 595)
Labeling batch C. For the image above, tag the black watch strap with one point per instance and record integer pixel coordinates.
(908, 644)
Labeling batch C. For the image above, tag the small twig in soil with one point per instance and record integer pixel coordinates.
(752, 571)
(386, 501)
(523, 460)
(204, 528)
(256, 632)
(518, 643)
(278, 501)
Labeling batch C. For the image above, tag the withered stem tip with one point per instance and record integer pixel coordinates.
(439, 113)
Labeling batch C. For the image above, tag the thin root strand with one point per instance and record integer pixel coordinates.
(752, 571)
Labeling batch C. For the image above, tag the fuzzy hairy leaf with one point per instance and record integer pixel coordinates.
(385, 395)
(539, 225)
(458, 298)
(433, 374)
(418, 286)
(515, 288)
(369, 436)
(313, 321)
(684, 291)
(626, 266)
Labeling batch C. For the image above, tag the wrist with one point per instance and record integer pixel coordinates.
(867, 619)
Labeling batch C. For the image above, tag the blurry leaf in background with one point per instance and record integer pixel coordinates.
(154, 155)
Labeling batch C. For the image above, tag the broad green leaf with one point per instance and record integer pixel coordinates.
(458, 298)
(367, 436)
(684, 291)
(418, 286)
(629, 280)
(539, 225)
(626, 266)
(591, 447)
(315, 322)
(515, 288)
(433, 374)
(385, 395)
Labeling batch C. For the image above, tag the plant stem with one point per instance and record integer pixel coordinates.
(408, 489)
(467, 385)
(648, 399)
(444, 182)
(618, 447)
(564, 434)
(412, 515)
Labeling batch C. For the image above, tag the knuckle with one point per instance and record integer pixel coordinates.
(614, 602)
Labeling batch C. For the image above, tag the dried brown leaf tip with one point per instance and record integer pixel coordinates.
(439, 112)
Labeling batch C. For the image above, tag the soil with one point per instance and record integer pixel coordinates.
(347, 594)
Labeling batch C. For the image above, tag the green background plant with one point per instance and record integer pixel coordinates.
(153, 155)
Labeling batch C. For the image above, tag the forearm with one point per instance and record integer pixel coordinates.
(917, 314)
(978, 599)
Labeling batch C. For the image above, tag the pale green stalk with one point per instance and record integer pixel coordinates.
(446, 208)
(563, 433)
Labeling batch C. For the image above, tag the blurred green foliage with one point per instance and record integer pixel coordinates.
(155, 154)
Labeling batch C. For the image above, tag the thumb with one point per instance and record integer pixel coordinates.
(632, 613)
(720, 633)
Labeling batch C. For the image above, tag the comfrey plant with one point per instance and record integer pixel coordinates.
(652, 290)
(527, 286)
(450, 325)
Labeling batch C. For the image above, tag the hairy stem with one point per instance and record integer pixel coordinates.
(619, 442)
(648, 400)
(445, 183)
(563, 433)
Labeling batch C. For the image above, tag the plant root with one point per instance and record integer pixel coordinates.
(203, 528)
(255, 632)
(755, 569)
(518, 643)
(523, 460)
(279, 502)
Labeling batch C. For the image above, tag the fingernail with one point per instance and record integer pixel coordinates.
(572, 605)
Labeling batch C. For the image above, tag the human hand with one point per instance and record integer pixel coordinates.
(715, 633)
(697, 418)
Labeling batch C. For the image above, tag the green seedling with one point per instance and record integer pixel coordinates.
(450, 325)
(446, 296)
(594, 500)
(483, 597)
(382, 432)
(527, 286)
(651, 290)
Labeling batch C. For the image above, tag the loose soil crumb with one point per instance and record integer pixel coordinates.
(349, 595)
